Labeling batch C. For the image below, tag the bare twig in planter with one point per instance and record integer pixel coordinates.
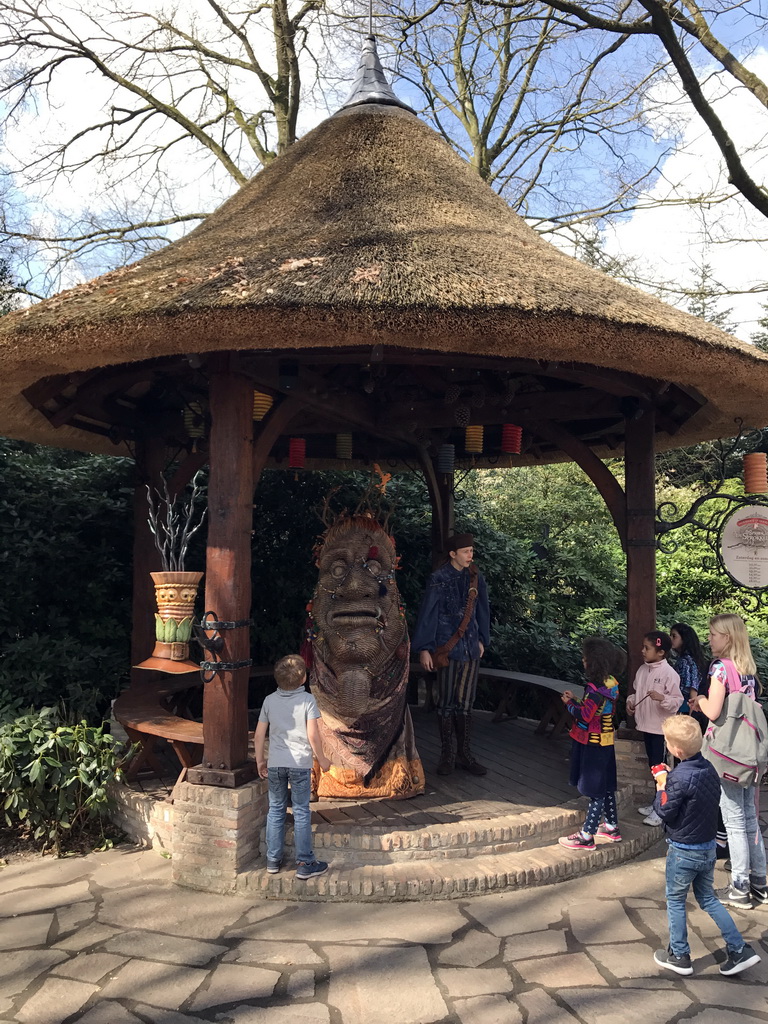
(172, 524)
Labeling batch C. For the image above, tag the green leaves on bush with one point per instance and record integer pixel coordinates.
(54, 776)
(65, 572)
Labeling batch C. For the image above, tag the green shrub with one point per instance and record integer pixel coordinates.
(54, 776)
(65, 577)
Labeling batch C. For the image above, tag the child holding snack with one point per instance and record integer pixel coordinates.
(686, 801)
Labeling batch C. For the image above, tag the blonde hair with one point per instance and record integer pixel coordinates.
(738, 649)
(684, 732)
(290, 672)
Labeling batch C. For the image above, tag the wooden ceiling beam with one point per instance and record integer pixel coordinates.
(565, 405)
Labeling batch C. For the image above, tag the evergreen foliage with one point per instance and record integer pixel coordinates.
(65, 567)
(54, 777)
(545, 542)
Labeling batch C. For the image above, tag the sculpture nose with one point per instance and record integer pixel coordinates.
(358, 583)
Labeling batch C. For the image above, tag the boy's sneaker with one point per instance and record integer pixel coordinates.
(678, 964)
(273, 866)
(738, 962)
(645, 811)
(759, 895)
(607, 832)
(652, 819)
(317, 867)
(733, 897)
(577, 842)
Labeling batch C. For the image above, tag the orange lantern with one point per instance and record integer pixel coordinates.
(473, 439)
(756, 473)
(261, 405)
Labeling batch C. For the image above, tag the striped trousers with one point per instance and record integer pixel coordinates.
(456, 687)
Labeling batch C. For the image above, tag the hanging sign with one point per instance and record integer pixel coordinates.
(744, 545)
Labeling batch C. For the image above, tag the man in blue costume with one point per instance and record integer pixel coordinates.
(452, 633)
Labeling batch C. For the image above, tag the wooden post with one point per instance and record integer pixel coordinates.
(228, 575)
(442, 530)
(640, 488)
(149, 467)
(440, 488)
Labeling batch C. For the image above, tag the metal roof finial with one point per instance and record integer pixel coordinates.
(370, 84)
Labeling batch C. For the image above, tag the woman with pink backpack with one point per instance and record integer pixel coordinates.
(735, 743)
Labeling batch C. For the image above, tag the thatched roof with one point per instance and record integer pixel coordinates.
(371, 230)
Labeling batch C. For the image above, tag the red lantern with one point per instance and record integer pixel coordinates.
(511, 439)
(297, 453)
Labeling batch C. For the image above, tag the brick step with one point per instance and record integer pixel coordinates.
(448, 878)
(344, 843)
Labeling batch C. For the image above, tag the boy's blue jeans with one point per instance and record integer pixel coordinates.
(300, 780)
(686, 868)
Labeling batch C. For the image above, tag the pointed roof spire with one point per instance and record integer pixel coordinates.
(370, 84)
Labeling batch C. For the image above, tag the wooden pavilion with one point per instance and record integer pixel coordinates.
(369, 283)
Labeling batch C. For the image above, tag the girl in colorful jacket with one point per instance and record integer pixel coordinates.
(593, 757)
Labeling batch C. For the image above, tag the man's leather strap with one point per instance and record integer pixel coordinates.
(440, 657)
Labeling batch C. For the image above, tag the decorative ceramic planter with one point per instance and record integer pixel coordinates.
(175, 593)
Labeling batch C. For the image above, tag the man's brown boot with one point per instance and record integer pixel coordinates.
(464, 754)
(445, 726)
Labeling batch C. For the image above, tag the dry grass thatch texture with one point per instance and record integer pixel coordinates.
(371, 230)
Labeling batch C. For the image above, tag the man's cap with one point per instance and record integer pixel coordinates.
(459, 540)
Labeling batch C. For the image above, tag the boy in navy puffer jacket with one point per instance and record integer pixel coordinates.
(687, 800)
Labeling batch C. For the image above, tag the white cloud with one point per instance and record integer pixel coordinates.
(707, 222)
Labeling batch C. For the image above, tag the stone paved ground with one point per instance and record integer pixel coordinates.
(108, 940)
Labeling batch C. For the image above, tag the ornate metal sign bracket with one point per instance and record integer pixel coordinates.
(728, 522)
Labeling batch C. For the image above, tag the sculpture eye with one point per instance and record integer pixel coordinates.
(338, 569)
(374, 567)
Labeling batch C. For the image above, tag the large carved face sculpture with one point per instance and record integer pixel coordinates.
(356, 605)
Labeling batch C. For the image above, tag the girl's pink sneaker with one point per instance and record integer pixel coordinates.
(612, 834)
(577, 842)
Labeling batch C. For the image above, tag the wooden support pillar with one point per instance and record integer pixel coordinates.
(440, 488)
(640, 488)
(149, 467)
(228, 575)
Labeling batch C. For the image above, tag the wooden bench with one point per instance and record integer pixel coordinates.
(151, 711)
(509, 683)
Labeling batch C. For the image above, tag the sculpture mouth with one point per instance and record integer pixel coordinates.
(355, 617)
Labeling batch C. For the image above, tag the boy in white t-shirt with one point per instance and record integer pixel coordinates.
(291, 714)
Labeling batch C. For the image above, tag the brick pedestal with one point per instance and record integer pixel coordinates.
(216, 833)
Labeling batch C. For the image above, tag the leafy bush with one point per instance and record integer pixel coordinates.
(54, 775)
(65, 572)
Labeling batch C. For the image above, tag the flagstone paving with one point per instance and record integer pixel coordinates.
(107, 939)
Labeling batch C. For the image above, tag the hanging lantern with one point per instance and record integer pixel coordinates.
(511, 439)
(297, 453)
(194, 420)
(343, 446)
(446, 456)
(473, 439)
(756, 473)
(261, 405)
